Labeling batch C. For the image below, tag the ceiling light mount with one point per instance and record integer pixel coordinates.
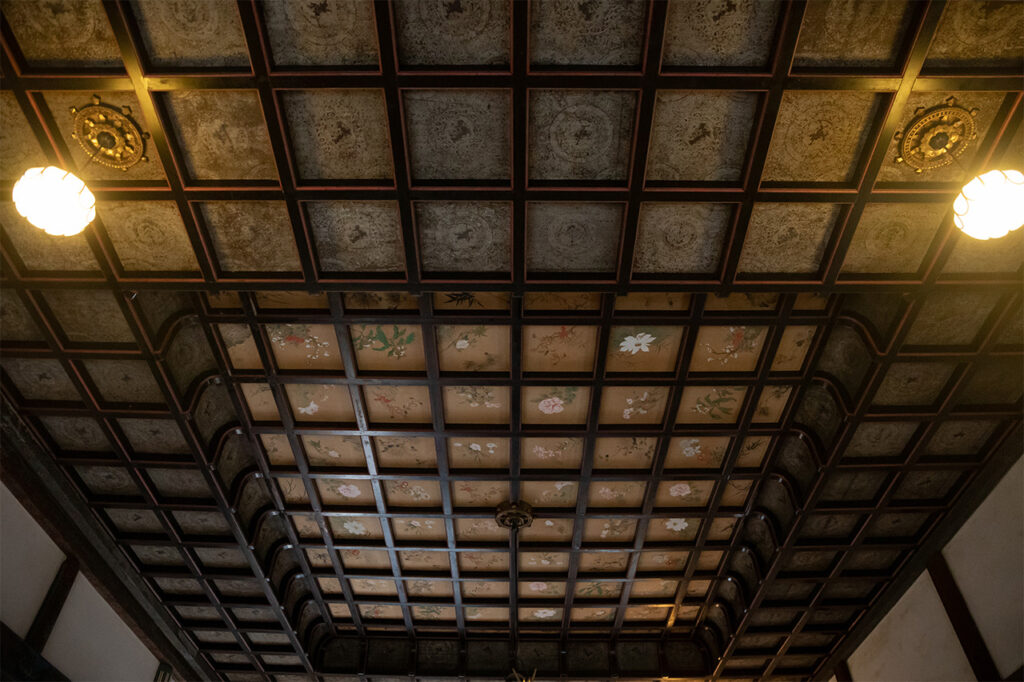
(109, 135)
(936, 136)
(514, 515)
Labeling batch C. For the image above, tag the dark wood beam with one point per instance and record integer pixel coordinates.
(23, 663)
(963, 623)
(53, 602)
(675, 657)
(1005, 456)
(39, 484)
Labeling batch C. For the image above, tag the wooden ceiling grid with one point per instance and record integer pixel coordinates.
(304, 612)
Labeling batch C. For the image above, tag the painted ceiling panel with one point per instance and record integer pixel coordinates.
(650, 267)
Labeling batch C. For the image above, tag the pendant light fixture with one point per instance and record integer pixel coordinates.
(56, 200)
(991, 205)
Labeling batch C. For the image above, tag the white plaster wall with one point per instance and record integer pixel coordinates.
(986, 558)
(915, 642)
(29, 561)
(90, 642)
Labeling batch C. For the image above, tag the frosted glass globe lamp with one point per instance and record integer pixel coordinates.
(991, 205)
(54, 200)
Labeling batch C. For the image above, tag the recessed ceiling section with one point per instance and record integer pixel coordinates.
(460, 35)
(124, 381)
(564, 35)
(819, 136)
(68, 35)
(640, 527)
(702, 34)
(148, 236)
(356, 236)
(222, 134)
(465, 236)
(339, 135)
(681, 239)
(77, 310)
(321, 34)
(867, 34)
(985, 258)
(250, 236)
(893, 239)
(458, 136)
(700, 136)
(573, 237)
(37, 252)
(787, 238)
(977, 35)
(650, 268)
(580, 136)
(17, 143)
(40, 379)
(186, 33)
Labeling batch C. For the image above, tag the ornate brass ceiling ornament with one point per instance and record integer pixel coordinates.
(109, 135)
(936, 136)
(514, 515)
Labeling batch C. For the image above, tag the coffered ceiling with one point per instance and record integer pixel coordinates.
(651, 268)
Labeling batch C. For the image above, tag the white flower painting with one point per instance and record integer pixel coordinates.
(348, 490)
(637, 344)
(676, 524)
(680, 490)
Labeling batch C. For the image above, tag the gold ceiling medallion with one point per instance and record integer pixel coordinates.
(936, 136)
(514, 515)
(109, 135)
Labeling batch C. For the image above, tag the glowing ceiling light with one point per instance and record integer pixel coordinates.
(54, 200)
(991, 205)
